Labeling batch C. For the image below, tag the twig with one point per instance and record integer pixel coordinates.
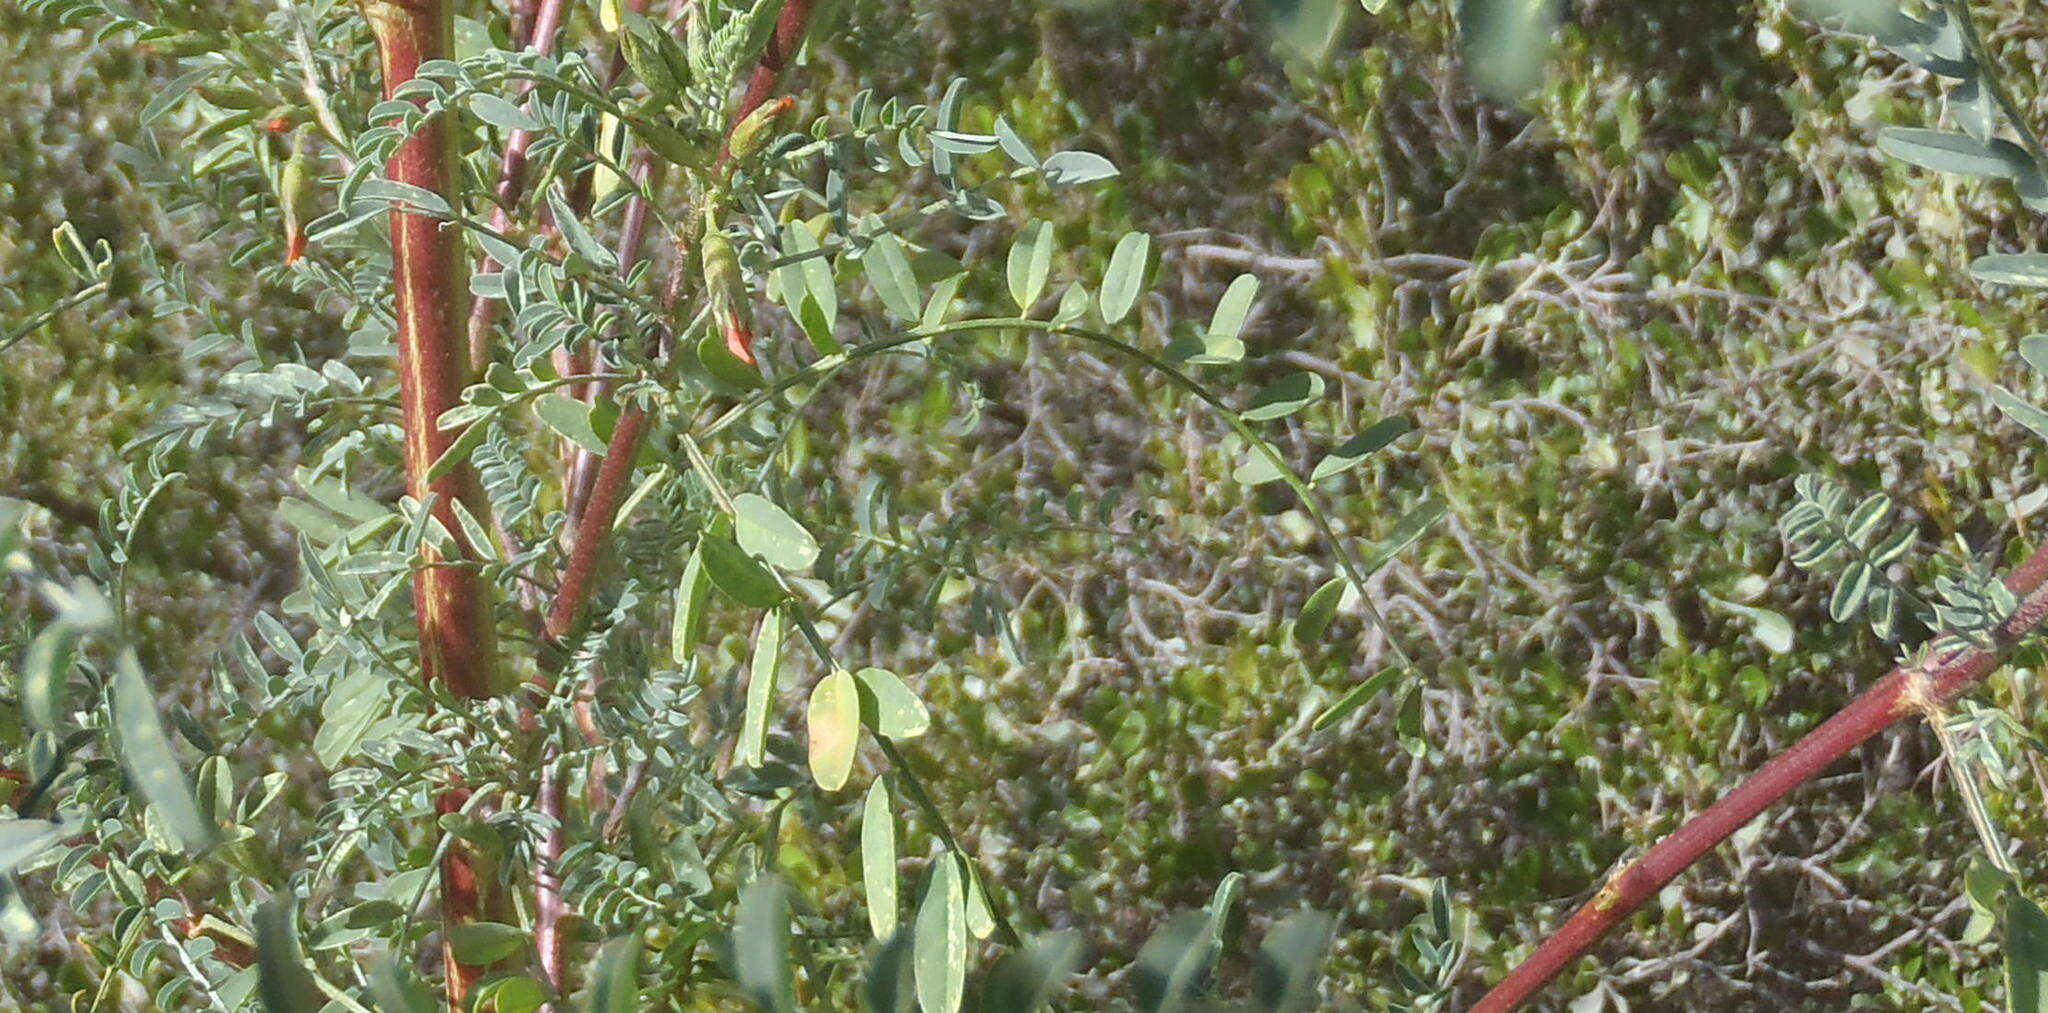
(1906, 690)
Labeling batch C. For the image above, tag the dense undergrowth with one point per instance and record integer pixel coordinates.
(1622, 324)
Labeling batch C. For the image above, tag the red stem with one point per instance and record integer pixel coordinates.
(594, 515)
(546, 27)
(452, 604)
(1906, 690)
(549, 907)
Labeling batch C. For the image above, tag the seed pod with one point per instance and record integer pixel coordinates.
(726, 289)
(656, 59)
(232, 96)
(753, 130)
(295, 196)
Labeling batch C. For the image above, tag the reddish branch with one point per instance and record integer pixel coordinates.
(595, 514)
(452, 603)
(542, 31)
(1906, 691)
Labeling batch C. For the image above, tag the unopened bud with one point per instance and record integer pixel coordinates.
(752, 131)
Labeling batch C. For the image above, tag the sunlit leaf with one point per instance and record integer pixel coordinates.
(940, 942)
(762, 675)
(890, 272)
(1124, 279)
(1030, 264)
(878, 859)
(765, 530)
(1072, 168)
(834, 726)
(890, 706)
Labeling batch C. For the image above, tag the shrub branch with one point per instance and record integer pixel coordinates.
(1911, 689)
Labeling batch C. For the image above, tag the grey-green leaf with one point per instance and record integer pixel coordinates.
(1072, 168)
(21, 840)
(2028, 270)
(762, 675)
(1290, 961)
(890, 272)
(761, 945)
(1124, 279)
(766, 531)
(45, 672)
(1026, 979)
(1950, 152)
(890, 706)
(615, 977)
(2021, 411)
(571, 418)
(940, 943)
(499, 112)
(1284, 397)
(878, 859)
(146, 753)
(1221, 343)
(1030, 264)
(2034, 351)
(1850, 590)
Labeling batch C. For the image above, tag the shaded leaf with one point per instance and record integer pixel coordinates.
(1355, 450)
(1949, 152)
(146, 754)
(1284, 397)
(1174, 965)
(486, 942)
(1355, 698)
(1318, 611)
(761, 945)
(1026, 979)
(738, 574)
(282, 979)
(1290, 961)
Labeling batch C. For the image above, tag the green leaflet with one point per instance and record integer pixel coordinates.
(940, 943)
(878, 859)
(762, 674)
(146, 753)
(834, 729)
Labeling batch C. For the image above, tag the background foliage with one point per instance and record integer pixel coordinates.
(1622, 326)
